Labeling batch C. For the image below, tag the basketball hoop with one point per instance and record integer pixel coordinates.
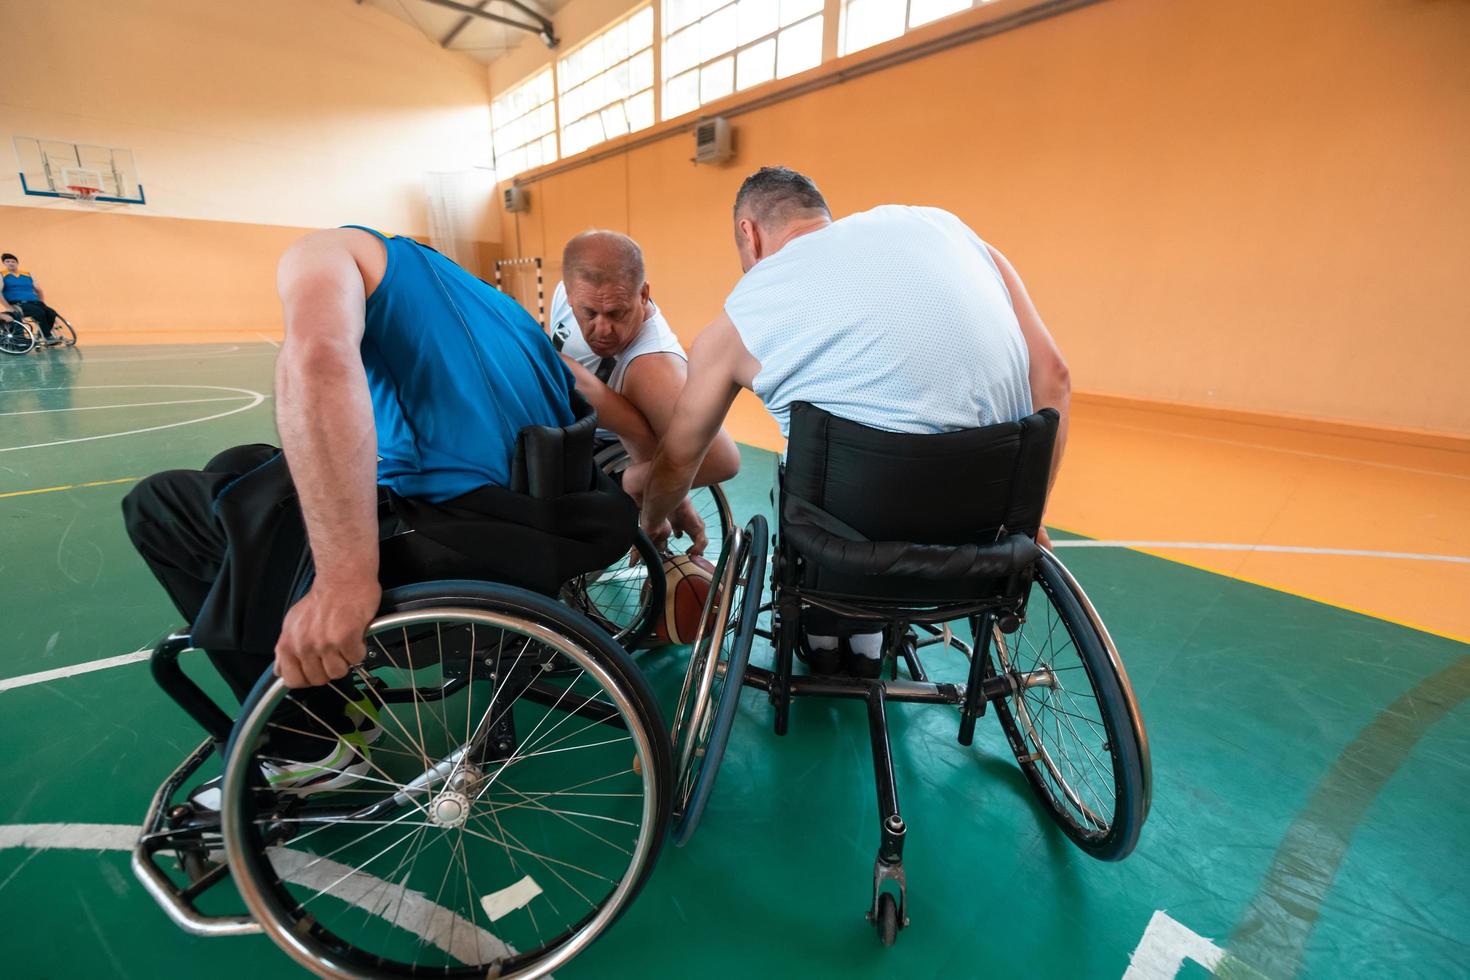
(82, 192)
(81, 184)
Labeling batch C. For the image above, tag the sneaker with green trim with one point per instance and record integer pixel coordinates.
(347, 763)
(366, 714)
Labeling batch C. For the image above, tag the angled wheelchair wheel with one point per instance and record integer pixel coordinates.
(712, 685)
(476, 813)
(63, 331)
(620, 607)
(626, 597)
(1072, 721)
(16, 337)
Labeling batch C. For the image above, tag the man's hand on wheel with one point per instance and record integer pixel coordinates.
(686, 520)
(322, 637)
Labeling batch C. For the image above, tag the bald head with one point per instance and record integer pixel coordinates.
(603, 258)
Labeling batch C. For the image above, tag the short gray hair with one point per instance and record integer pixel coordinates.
(774, 196)
(601, 257)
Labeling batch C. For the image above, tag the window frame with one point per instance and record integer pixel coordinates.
(653, 86)
(555, 132)
(843, 50)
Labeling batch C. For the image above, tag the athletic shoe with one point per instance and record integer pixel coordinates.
(365, 713)
(53, 342)
(343, 766)
(861, 666)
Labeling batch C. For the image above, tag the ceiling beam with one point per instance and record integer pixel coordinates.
(543, 28)
(463, 23)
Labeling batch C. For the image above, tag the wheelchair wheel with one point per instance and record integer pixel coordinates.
(16, 337)
(623, 598)
(712, 685)
(621, 609)
(1072, 721)
(63, 331)
(502, 817)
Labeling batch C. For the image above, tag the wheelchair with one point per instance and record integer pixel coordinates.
(627, 597)
(520, 783)
(956, 544)
(22, 333)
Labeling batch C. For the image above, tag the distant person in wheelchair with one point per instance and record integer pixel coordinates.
(399, 463)
(627, 361)
(21, 291)
(899, 318)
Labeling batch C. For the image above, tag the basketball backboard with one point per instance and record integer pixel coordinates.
(49, 168)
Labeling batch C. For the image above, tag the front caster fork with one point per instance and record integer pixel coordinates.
(888, 917)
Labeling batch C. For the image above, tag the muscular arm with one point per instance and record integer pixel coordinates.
(615, 413)
(719, 366)
(325, 418)
(654, 383)
(1051, 382)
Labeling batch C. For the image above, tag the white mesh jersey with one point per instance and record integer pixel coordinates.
(655, 337)
(896, 318)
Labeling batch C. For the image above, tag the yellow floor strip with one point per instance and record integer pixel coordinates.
(70, 486)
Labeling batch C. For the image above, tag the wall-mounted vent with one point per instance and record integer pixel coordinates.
(517, 199)
(712, 141)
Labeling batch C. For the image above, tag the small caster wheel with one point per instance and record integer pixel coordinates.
(887, 923)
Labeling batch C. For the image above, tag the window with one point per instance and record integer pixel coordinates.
(606, 85)
(869, 22)
(715, 47)
(523, 126)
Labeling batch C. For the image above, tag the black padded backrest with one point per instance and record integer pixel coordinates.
(948, 488)
(551, 462)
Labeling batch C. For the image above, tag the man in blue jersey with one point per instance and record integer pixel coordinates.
(20, 290)
(898, 318)
(404, 381)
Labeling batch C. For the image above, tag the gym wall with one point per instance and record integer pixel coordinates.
(1246, 205)
(250, 123)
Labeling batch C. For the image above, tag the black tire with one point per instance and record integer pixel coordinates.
(1083, 751)
(61, 328)
(16, 337)
(887, 924)
(337, 938)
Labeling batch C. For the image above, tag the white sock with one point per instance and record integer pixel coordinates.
(821, 642)
(868, 645)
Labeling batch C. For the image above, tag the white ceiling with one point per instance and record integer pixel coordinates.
(481, 39)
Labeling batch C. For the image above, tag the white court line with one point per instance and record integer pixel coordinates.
(1281, 549)
(41, 677)
(274, 343)
(255, 395)
(409, 909)
(1280, 449)
(98, 408)
(233, 348)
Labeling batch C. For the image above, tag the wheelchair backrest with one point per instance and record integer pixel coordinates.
(947, 488)
(551, 461)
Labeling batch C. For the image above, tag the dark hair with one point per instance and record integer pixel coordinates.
(8, 255)
(603, 257)
(776, 195)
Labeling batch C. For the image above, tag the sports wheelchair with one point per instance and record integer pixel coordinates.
(948, 525)
(627, 597)
(516, 786)
(21, 333)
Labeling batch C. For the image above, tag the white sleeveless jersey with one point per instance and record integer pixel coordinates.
(655, 337)
(896, 318)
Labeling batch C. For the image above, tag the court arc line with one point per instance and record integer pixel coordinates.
(1279, 549)
(256, 399)
(426, 919)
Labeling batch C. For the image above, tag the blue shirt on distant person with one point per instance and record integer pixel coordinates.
(20, 287)
(456, 369)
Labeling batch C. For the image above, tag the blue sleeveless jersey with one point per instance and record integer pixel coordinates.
(20, 287)
(456, 369)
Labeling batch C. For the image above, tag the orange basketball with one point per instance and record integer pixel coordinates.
(687, 583)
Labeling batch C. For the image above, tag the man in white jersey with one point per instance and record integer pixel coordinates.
(899, 318)
(627, 362)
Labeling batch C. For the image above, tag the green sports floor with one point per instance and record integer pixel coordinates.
(1311, 765)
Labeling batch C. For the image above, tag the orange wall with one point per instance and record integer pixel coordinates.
(1248, 204)
(250, 123)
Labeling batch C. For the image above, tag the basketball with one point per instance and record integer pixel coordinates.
(688, 580)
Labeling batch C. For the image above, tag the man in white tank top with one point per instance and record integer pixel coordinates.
(899, 318)
(627, 362)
